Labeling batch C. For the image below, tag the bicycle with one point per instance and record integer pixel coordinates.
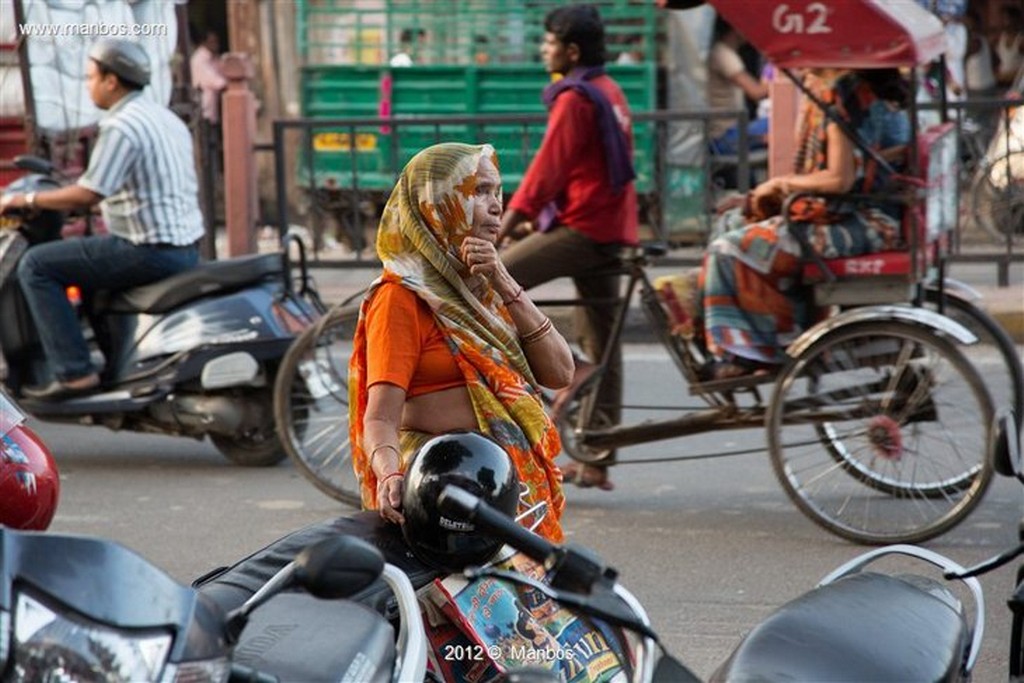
(996, 181)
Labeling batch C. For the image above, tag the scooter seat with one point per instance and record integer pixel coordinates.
(297, 637)
(229, 587)
(864, 627)
(206, 279)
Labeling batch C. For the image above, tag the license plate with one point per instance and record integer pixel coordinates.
(342, 142)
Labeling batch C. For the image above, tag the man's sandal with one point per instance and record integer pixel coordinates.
(587, 477)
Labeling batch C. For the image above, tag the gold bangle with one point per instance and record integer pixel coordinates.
(376, 448)
(542, 330)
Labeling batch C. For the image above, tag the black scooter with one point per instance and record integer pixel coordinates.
(192, 355)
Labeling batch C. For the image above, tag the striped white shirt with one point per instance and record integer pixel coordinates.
(144, 168)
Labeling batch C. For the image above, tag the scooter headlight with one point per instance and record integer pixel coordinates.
(48, 646)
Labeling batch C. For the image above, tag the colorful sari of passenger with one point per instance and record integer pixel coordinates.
(751, 306)
(423, 225)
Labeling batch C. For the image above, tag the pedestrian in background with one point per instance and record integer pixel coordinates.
(578, 191)
(1010, 45)
(979, 67)
(207, 75)
(728, 83)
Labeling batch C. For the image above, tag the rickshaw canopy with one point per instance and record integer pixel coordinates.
(856, 34)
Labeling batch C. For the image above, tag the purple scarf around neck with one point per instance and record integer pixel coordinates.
(616, 147)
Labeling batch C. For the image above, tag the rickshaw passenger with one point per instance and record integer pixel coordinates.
(751, 308)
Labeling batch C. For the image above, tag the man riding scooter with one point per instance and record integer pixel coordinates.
(142, 174)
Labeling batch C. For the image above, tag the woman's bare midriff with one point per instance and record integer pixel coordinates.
(439, 411)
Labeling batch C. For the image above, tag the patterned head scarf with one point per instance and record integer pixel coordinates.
(426, 219)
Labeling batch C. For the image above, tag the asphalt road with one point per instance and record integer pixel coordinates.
(710, 547)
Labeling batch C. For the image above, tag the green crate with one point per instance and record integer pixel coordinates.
(345, 52)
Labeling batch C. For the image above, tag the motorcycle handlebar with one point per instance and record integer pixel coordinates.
(461, 504)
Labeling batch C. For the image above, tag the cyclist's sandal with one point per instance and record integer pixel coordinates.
(587, 477)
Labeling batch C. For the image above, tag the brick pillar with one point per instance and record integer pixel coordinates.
(238, 121)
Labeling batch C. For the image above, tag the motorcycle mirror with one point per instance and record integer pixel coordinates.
(1005, 445)
(34, 164)
(338, 567)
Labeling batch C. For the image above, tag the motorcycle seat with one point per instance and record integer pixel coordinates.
(863, 627)
(230, 587)
(206, 279)
(297, 637)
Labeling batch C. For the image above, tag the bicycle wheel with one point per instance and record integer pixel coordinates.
(311, 404)
(582, 412)
(879, 433)
(995, 355)
(997, 196)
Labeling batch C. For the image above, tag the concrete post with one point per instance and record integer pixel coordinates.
(238, 121)
(785, 101)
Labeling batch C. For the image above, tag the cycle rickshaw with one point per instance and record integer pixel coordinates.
(878, 427)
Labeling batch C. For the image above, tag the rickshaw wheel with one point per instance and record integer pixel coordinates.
(311, 404)
(879, 433)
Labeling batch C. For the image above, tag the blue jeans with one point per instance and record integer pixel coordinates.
(729, 141)
(93, 263)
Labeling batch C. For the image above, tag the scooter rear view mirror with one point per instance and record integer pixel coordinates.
(338, 567)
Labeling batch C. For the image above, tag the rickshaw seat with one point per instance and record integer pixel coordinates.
(887, 276)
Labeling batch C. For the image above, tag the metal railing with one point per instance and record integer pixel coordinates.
(352, 190)
(656, 204)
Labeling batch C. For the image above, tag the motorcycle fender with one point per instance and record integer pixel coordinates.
(921, 317)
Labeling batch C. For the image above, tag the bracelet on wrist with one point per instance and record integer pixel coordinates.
(535, 335)
(384, 480)
(515, 298)
(373, 453)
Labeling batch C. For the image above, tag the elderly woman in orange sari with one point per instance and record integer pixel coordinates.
(448, 340)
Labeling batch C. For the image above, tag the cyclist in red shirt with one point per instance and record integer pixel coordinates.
(579, 194)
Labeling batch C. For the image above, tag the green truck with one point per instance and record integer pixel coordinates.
(466, 58)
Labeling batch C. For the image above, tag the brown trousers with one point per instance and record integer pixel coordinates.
(563, 252)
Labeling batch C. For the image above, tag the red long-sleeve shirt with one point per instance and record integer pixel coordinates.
(570, 164)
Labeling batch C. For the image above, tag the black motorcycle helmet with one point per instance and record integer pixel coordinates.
(473, 462)
(43, 225)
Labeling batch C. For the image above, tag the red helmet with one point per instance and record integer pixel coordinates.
(29, 486)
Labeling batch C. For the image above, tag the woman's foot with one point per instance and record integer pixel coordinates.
(587, 476)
